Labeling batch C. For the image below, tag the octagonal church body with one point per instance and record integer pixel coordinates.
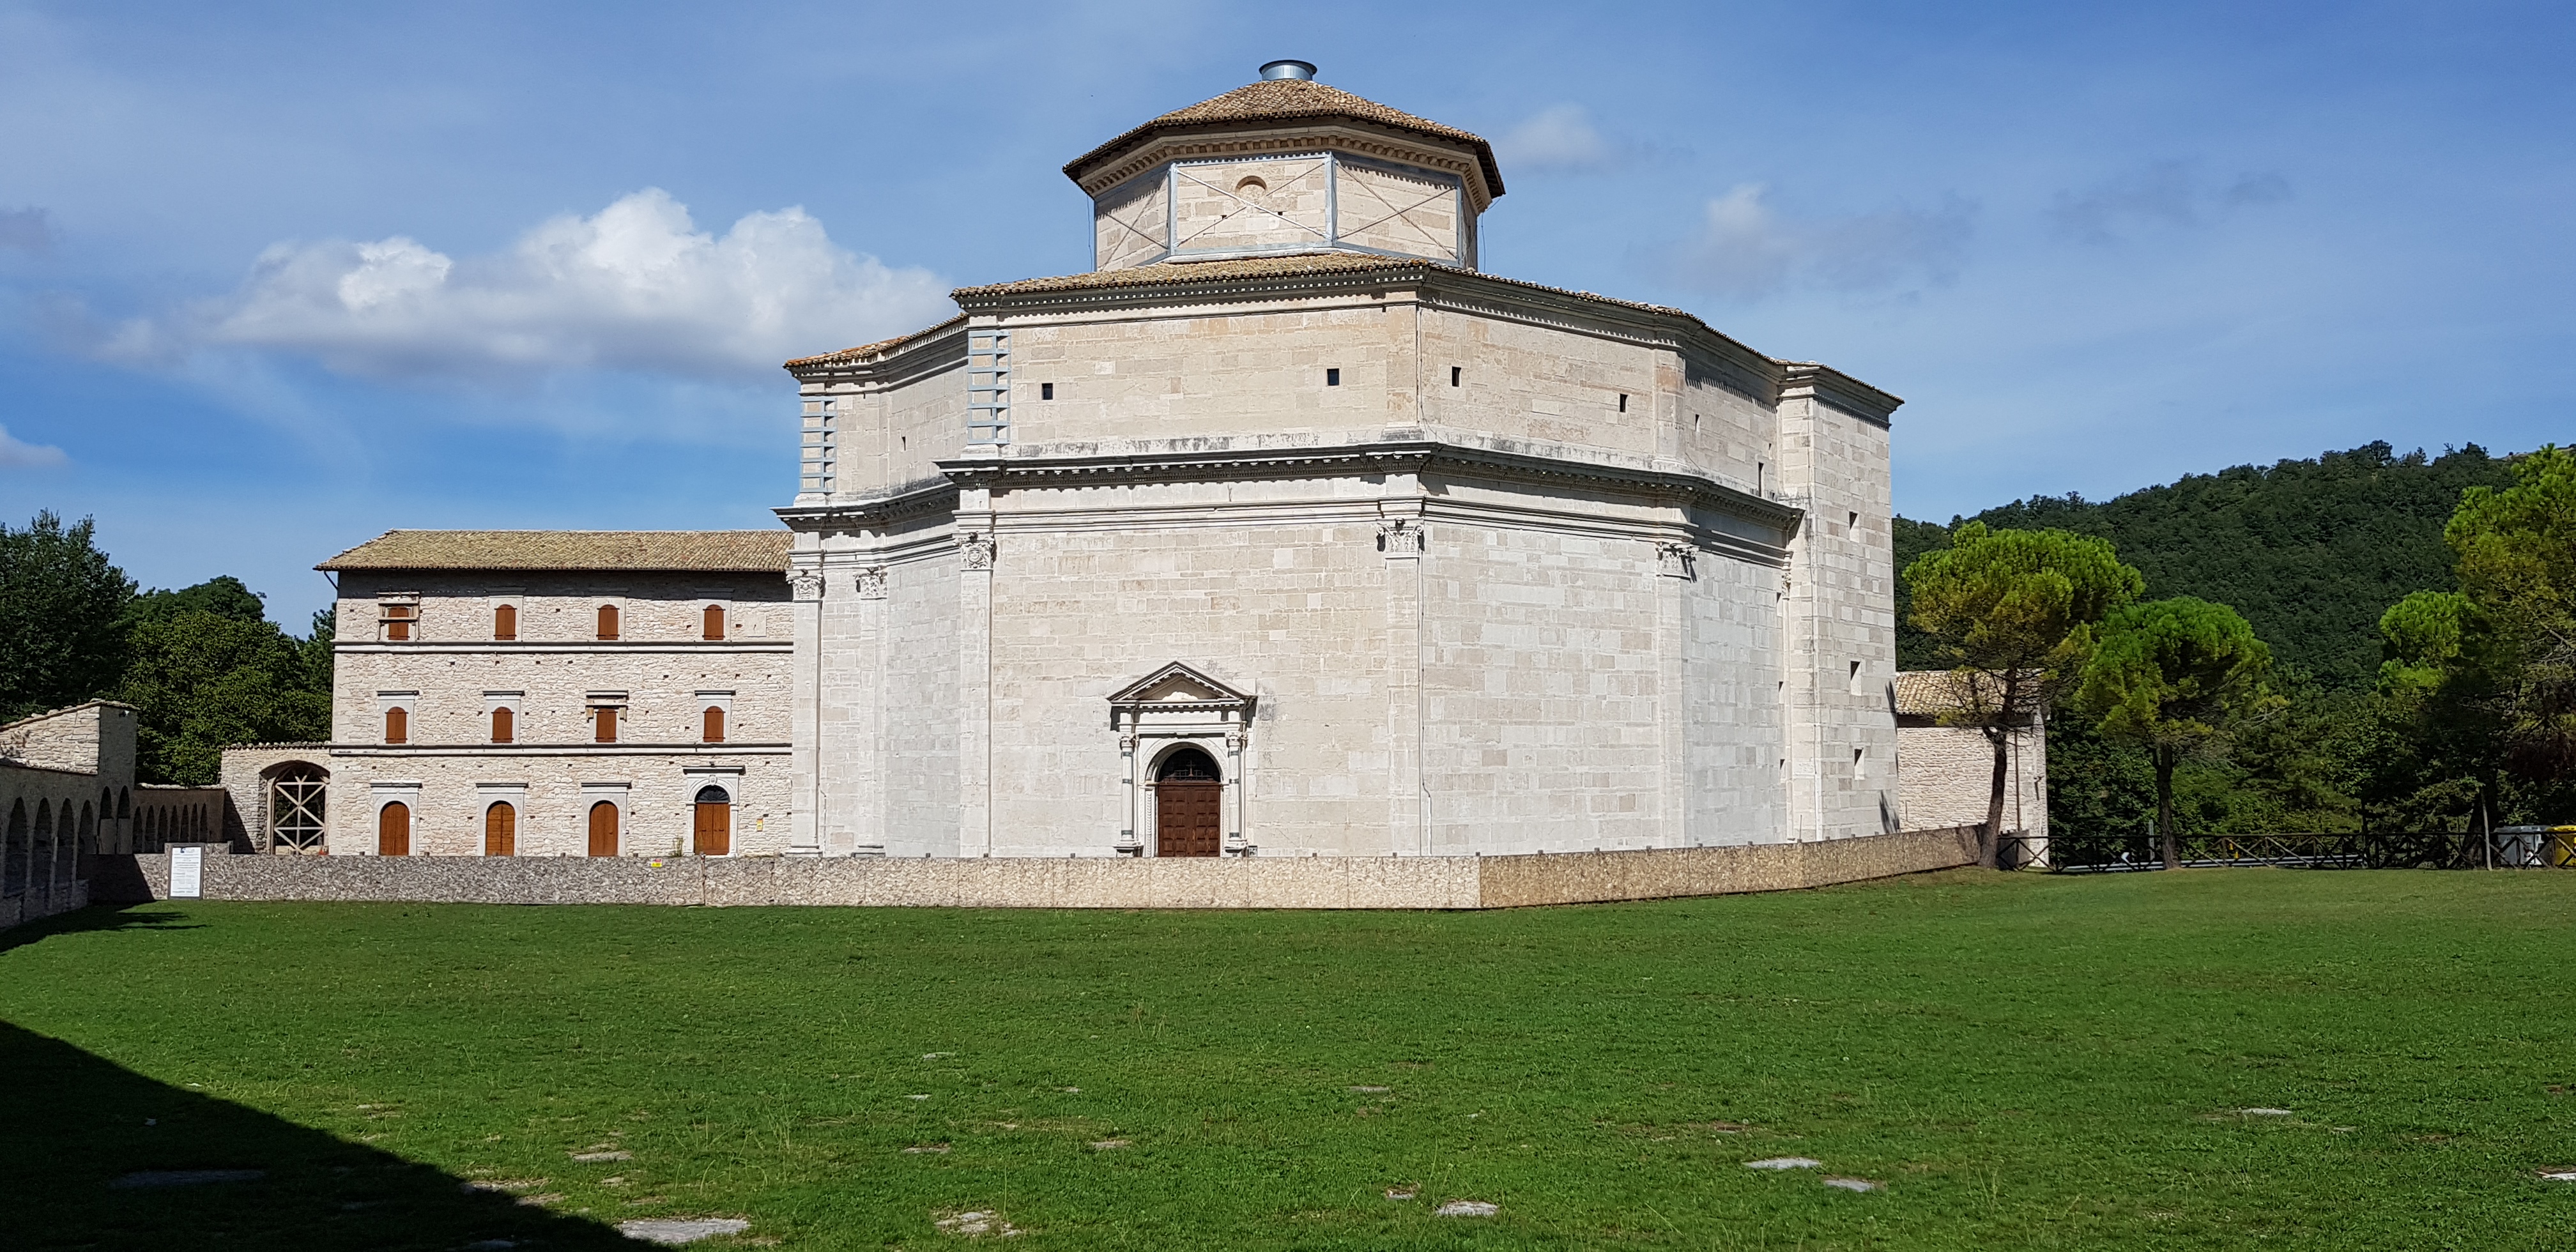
(1285, 530)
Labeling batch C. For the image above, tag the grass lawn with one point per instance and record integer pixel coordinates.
(2022, 1061)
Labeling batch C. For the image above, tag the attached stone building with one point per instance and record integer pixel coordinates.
(544, 693)
(67, 794)
(1947, 773)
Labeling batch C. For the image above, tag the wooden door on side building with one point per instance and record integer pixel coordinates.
(713, 834)
(603, 829)
(501, 829)
(1188, 796)
(393, 829)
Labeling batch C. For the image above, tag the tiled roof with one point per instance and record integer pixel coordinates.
(1284, 100)
(864, 351)
(676, 550)
(1933, 692)
(1318, 263)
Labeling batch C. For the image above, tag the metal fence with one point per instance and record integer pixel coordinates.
(2506, 848)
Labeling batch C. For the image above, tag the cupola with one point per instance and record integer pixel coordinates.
(1286, 165)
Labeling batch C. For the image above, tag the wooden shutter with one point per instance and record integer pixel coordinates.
(712, 724)
(714, 621)
(504, 724)
(603, 728)
(505, 621)
(397, 726)
(608, 621)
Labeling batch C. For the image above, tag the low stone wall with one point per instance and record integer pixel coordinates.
(1435, 882)
(37, 902)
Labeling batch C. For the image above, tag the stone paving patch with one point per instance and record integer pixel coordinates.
(1467, 1208)
(976, 1225)
(1402, 1193)
(2559, 1175)
(2265, 1112)
(1783, 1162)
(1370, 1090)
(1855, 1184)
(589, 1158)
(1109, 1145)
(185, 1177)
(673, 1230)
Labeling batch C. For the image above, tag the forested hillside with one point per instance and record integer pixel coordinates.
(2311, 552)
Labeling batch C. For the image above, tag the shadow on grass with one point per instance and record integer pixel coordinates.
(72, 1125)
(95, 917)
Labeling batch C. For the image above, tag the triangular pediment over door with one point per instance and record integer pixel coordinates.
(1177, 686)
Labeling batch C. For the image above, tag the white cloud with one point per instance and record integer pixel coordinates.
(1561, 137)
(635, 287)
(2159, 193)
(15, 454)
(1745, 249)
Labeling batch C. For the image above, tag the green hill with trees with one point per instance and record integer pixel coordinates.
(2313, 553)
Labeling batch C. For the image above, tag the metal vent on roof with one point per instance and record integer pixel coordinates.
(1289, 69)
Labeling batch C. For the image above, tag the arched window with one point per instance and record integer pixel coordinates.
(40, 858)
(603, 828)
(500, 829)
(13, 852)
(505, 622)
(502, 719)
(393, 829)
(712, 831)
(713, 621)
(397, 725)
(124, 802)
(608, 621)
(295, 800)
(711, 724)
(603, 725)
(1188, 794)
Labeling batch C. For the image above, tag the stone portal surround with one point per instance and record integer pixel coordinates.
(1433, 882)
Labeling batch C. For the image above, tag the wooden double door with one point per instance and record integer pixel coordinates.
(1189, 805)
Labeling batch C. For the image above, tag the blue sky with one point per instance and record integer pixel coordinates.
(275, 278)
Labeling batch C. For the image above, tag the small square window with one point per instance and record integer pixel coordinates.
(1332, 378)
(1046, 391)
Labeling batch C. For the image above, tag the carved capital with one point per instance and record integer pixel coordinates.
(1674, 560)
(1400, 536)
(1127, 745)
(1234, 741)
(872, 583)
(975, 551)
(805, 584)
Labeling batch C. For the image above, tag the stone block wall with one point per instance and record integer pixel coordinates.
(1440, 882)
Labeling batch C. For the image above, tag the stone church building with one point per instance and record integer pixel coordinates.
(1284, 530)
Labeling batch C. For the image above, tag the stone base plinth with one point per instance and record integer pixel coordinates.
(1432, 882)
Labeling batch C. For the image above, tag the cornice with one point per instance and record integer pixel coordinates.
(875, 512)
(1419, 457)
(1236, 138)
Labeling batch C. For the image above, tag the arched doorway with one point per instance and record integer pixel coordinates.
(713, 835)
(295, 795)
(1188, 795)
(393, 829)
(603, 828)
(501, 829)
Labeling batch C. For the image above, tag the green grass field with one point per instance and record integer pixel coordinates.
(2022, 1061)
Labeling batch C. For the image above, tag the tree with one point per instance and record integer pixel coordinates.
(2010, 613)
(203, 681)
(2517, 570)
(2175, 677)
(60, 602)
